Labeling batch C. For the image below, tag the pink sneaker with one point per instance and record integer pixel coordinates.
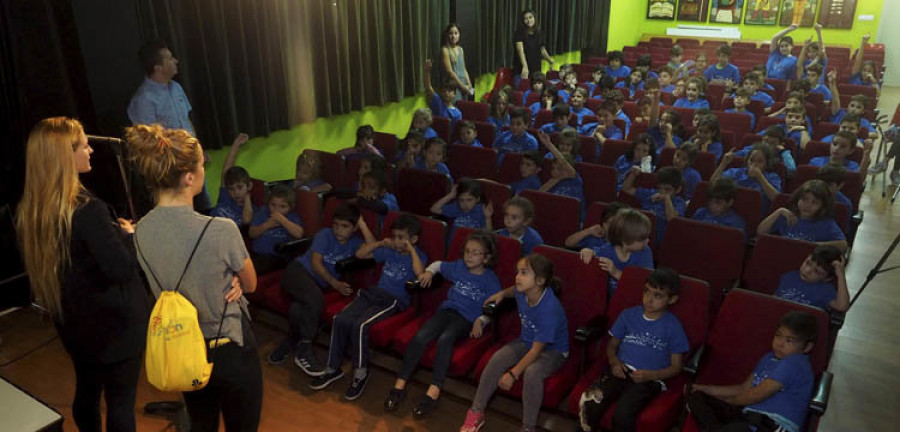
(474, 422)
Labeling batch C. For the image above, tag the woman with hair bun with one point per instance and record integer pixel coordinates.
(171, 163)
(81, 265)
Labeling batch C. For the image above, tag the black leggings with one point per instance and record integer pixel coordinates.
(448, 327)
(714, 414)
(308, 301)
(118, 383)
(632, 398)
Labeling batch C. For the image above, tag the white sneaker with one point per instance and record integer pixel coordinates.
(879, 167)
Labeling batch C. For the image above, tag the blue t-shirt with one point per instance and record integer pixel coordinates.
(729, 72)
(471, 219)
(592, 242)
(265, 243)
(821, 230)
(549, 155)
(642, 258)
(227, 208)
(440, 168)
(691, 180)
(611, 132)
(571, 187)
(563, 96)
(648, 344)
(439, 109)
(332, 251)
(746, 112)
(786, 158)
(788, 407)
(580, 113)
(622, 72)
(824, 91)
(390, 201)
(668, 89)
(535, 107)
(842, 199)
(529, 240)
(696, 104)
(660, 138)
(740, 176)
(764, 98)
(397, 269)
(781, 67)
(816, 294)
(857, 79)
(715, 148)
(527, 183)
(624, 117)
(525, 95)
(821, 161)
(730, 219)
(659, 209)
(475, 143)
(499, 123)
(822, 61)
(429, 133)
(551, 128)
(623, 167)
(469, 291)
(310, 185)
(508, 143)
(544, 322)
(864, 122)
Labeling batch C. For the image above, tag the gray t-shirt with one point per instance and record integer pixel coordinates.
(166, 236)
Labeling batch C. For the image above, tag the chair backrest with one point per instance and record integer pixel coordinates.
(509, 172)
(309, 207)
(387, 143)
(432, 238)
(543, 117)
(705, 164)
(497, 194)
(485, 133)
(474, 162)
(583, 290)
(747, 203)
(556, 216)
(599, 182)
(765, 121)
(687, 115)
(332, 166)
(772, 257)
(441, 125)
(742, 333)
(853, 182)
(734, 122)
(849, 90)
(636, 130)
(475, 111)
(258, 193)
(611, 150)
(417, 190)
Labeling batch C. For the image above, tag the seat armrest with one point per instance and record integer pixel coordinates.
(414, 285)
(353, 264)
(836, 319)
(493, 310)
(693, 364)
(294, 248)
(819, 402)
(592, 330)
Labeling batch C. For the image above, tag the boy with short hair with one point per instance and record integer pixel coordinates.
(561, 113)
(664, 201)
(835, 176)
(305, 280)
(645, 348)
(518, 215)
(570, 82)
(468, 134)
(666, 75)
(274, 223)
(403, 261)
(781, 63)
(373, 194)
(814, 78)
(516, 139)
(850, 123)
(773, 137)
(577, 104)
(619, 99)
(676, 55)
(645, 63)
(596, 77)
(814, 283)
(605, 129)
(723, 72)
(719, 202)
(794, 126)
(775, 395)
(741, 102)
(683, 161)
(235, 190)
(856, 106)
(616, 67)
(761, 70)
(841, 148)
(751, 84)
(530, 168)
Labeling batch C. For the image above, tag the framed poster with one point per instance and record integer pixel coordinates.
(837, 14)
(661, 9)
(762, 12)
(801, 12)
(693, 10)
(726, 11)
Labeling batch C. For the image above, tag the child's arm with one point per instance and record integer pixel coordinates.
(322, 188)
(857, 63)
(654, 109)
(840, 244)
(368, 237)
(804, 135)
(257, 230)
(835, 94)
(766, 225)
(822, 54)
(296, 231)
(598, 133)
(240, 139)
(436, 208)
(842, 302)
(515, 373)
(545, 139)
(773, 45)
(628, 184)
(671, 212)
(318, 268)
(670, 138)
(418, 267)
(488, 210)
(553, 181)
(429, 90)
(726, 160)
(801, 58)
(612, 357)
(753, 395)
(779, 112)
(366, 251)
(760, 178)
(725, 391)
(674, 369)
(593, 230)
(866, 156)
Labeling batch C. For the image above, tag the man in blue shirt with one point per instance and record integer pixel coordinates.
(782, 64)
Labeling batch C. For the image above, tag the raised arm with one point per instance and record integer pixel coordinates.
(835, 94)
(436, 208)
(800, 69)
(822, 53)
(429, 90)
(628, 184)
(773, 45)
(842, 302)
(573, 239)
(240, 139)
(726, 160)
(857, 63)
(545, 139)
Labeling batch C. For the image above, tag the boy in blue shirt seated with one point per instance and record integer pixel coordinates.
(570, 82)
(708, 136)
(776, 394)
(441, 102)
(634, 82)
(773, 137)
(305, 280)
(422, 119)
(234, 194)
(373, 194)
(564, 180)
(275, 223)
(741, 102)
(814, 77)
(628, 246)
(850, 123)
(794, 127)
(719, 202)
(568, 145)
(665, 201)
(529, 169)
(468, 134)
(605, 129)
(616, 67)
(692, 92)
(596, 77)
(683, 161)
(834, 176)
(467, 209)
(561, 114)
(856, 106)
(814, 283)
(841, 148)
(576, 102)
(782, 64)
(812, 54)
(410, 151)
(518, 214)
(644, 63)
(594, 236)
(516, 139)
(434, 153)
(646, 347)
(666, 76)
(757, 173)
(751, 83)
(538, 84)
(723, 72)
(403, 261)
(676, 57)
(619, 99)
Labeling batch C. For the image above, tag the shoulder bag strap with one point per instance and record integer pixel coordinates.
(190, 258)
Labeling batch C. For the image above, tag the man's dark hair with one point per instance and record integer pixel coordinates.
(346, 212)
(669, 176)
(236, 175)
(665, 279)
(724, 189)
(801, 324)
(150, 55)
(824, 256)
(409, 223)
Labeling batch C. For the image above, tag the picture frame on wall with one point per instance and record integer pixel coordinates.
(837, 14)
(661, 9)
(801, 12)
(693, 10)
(762, 12)
(726, 11)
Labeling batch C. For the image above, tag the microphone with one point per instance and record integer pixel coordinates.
(112, 140)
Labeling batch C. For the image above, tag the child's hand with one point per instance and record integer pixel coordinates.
(388, 243)
(818, 27)
(342, 287)
(727, 158)
(407, 246)
(634, 171)
(832, 76)
(755, 172)
(235, 292)
(428, 65)
(607, 265)
(453, 191)
(807, 42)
(496, 299)
(839, 265)
(586, 255)
(360, 223)
(666, 128)
(477, 328)
(543, 137)
(126, 225)
(618, 369)
(488, 211)
(596, 230)
(506, 382)
(240, 139)
(797, 128)
(425, 279)
(788, 215)
(641, 375)
(868, 145)
(279, 218)
(248, 202)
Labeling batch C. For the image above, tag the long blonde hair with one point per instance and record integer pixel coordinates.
(44, 216)
(162, 155)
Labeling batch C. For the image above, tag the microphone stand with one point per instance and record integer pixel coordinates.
(118, 147)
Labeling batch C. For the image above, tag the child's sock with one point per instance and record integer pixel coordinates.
(303, 347)
(360, 373)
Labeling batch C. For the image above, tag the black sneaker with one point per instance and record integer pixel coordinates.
(308, 362)
(326, 379)
(356, 388)
(394, 399)
(280, 354)
(425, 406)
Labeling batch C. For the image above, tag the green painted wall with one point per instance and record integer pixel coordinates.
(628, 22)
(272, 157)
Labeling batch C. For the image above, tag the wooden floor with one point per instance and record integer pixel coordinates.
(866, 359)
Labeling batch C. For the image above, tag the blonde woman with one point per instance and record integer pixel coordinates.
(82, 268)
(171, 164)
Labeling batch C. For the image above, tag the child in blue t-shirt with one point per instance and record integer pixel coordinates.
(594, 236)
(665, 201)
(773, 137)
(442, 104)
(814, 76)
(814, 283)
(576, 102)
(549, 99)
(518, 214)
(308, 174)
(708, 137)
(808, 217)
(564, 180)
(540, 350)
(757, 174)
(864, 72)
(751, 84)
(633, 83)
(692, 99)
(373, 194)
(812, 54)
(561, 114)
(850, 123)
(666, 129)
(403, 261)
(683, 161)
(538, 83)
(273, 224)
(499, 115)
(640, 149)
(856, 106)
(516, 139)
(646, 347)
(835, 176)
(234, 194)
(666, 76)
(468, 134)
(741, 102)
(305, 280)
(719, 206)
(410, 151)
(434, 153)
(529, 169)
(781, 63)
(459, 317)
(421, 121)
(794, 126)
(596, 76)
(604, 129)
(723, 72)
(568, 144)
(628, 239)
(779, 388)
(615, 65)
(467, 208)
(795, 99)
(841, 148)
(618, 98)
(569, 79)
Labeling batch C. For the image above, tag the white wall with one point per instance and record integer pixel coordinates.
(889, 35)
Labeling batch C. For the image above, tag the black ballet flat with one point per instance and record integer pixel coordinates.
(394, 399)
(425, 406)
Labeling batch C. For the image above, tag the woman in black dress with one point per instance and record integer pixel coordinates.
(529, 44)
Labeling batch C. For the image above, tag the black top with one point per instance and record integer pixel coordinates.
(104, 299)
(532, 44)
